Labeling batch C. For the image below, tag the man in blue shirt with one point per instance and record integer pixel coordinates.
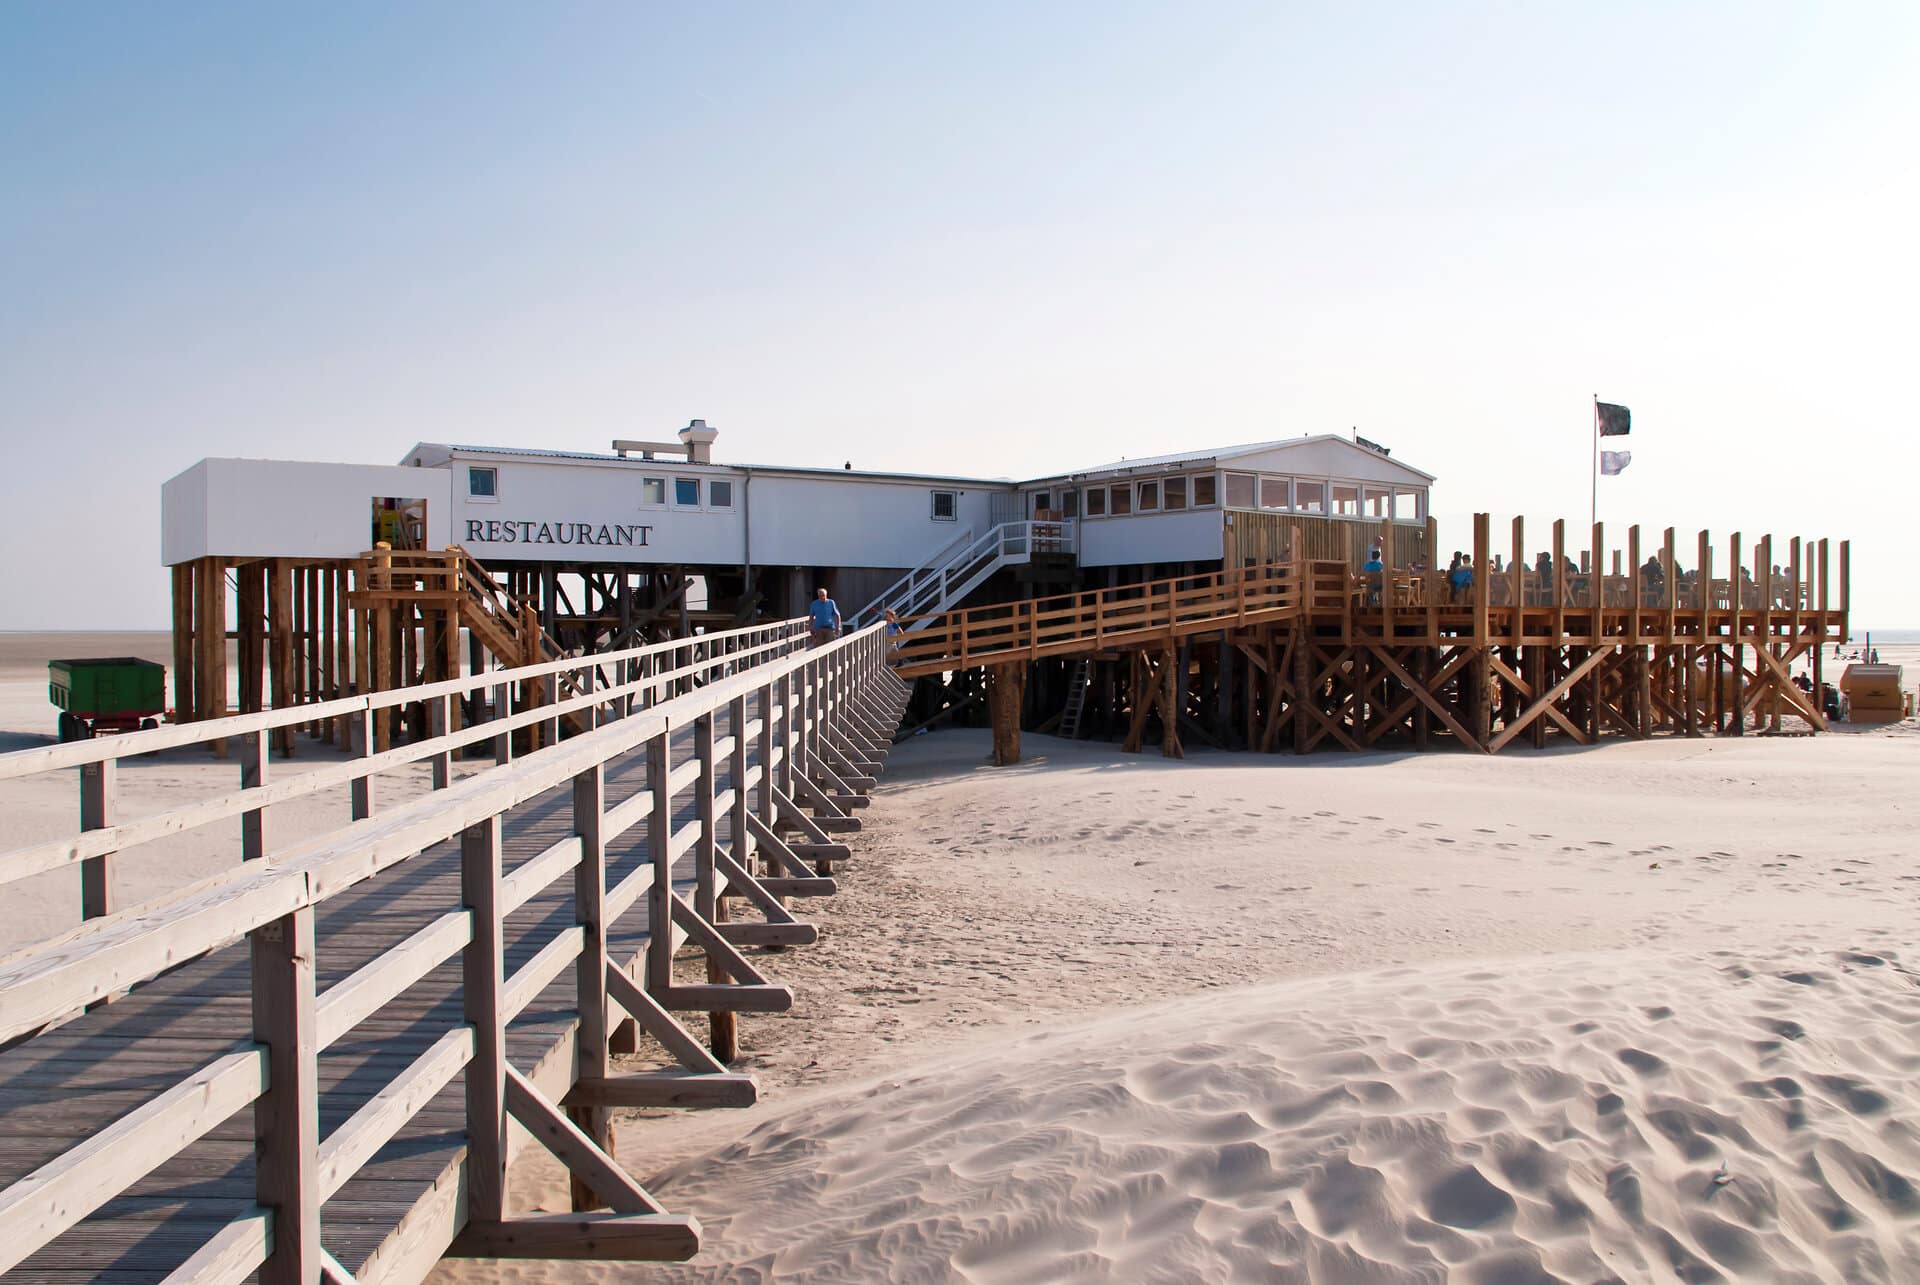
(825, 615)
(1374, 571)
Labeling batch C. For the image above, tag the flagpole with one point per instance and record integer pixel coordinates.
(1593, 515)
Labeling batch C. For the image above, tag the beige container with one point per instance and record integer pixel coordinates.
(1873, 694)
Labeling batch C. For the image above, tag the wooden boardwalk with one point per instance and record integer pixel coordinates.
(387, 1054)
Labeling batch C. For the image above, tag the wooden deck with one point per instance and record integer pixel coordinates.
(1356, 658)
(364, 1083)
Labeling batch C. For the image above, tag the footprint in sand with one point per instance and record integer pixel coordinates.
(1429, 825)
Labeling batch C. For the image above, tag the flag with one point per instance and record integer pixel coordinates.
(1615, 421)
(1613, 463)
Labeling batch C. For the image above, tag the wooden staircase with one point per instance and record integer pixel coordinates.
(454, 581)
(1076, 698)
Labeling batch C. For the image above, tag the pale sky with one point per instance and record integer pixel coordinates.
(1002, 239)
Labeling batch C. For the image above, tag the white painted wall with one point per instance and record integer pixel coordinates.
(834, 522)
(1193, 536)
(288, 508)
(797, 519)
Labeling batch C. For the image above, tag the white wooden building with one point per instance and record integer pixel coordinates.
(783, 529)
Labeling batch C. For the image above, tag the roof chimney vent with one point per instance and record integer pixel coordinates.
(699, 441)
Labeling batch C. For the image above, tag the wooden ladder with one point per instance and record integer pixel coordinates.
(1076, 698)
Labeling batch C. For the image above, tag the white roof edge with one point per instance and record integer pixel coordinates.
(1215, 456)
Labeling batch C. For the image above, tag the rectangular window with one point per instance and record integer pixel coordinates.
(1273, 493)
(1309, 497)
(483, 483)
(653, 490)
(1206, 490)
(1346, 501)
(1240, 490)
(946, 506)
(1069, 504)
(1406, 506)
(1096, 502)
(1042, 502)
(1122, 500)
(1379, 503)
(1149, 497)
(719, 493)
(686, 492)
(1176, 497)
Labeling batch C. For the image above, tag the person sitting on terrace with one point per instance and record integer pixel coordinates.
(1653, 579)
(1543, 575)
(1461, 578)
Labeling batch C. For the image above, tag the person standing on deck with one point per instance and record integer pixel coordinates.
(824, 613)
(1374, 570)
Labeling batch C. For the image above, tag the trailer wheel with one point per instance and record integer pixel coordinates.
(72, 728)
(148, 724)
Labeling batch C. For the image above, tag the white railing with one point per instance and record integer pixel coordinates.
(957, 569)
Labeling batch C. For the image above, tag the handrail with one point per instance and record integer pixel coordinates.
(948, 575)
(1009, 630)
(798, 698)
(48, 758)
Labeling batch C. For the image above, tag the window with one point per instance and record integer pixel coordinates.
(1240, 490)
(1121, 500)
(1406, 506)
(1149, 497)
(1042, 501)
(483, 483)
(686, 492)
(1310, 497)
(653, 490)
(1176, 497)
(1346, 501)
(1069, 504)
(1273, 493)
(1206, 491)
(719, 493)
(946, 506)
(1096, 501)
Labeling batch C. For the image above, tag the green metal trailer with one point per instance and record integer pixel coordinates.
(108, 694)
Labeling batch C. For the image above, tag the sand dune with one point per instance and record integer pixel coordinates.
(1725, 1116)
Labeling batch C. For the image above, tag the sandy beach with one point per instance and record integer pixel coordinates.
(1642, 1012)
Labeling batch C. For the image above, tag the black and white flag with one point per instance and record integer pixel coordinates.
(1615, 421)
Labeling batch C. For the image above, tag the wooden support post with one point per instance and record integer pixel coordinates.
(211, 681)
(280, 647)
(1006, 692)
(1480, 667)
(659, 962)
(97, 788)
(482, 984)
(592, 1058)
(360, 791)
(184, 708)
(286, 1118)
(440, 722)
(1303, 697)
(723, 1027)
(1517, 595)
(1737, 719)
(253, 754)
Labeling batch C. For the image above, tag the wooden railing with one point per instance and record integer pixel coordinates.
(774, 718)
(1122, 616)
